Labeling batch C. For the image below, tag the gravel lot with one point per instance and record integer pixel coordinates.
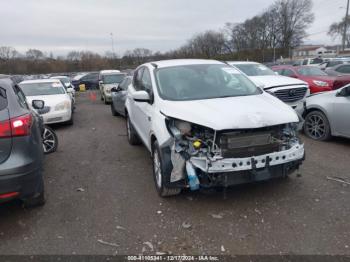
(100, 189)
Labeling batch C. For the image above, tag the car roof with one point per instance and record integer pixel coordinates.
(109, 71)
(40, 81)
(58, 77)
(180, 62)
(243, 63)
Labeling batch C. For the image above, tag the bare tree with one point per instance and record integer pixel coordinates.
(293, 17)
(337, 30)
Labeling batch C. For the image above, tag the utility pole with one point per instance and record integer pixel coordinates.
(345, 24)
(113, 51)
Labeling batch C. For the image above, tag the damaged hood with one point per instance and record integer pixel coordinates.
(232, 112)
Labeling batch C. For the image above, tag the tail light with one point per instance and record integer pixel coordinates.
(5, 129)
(20, 126)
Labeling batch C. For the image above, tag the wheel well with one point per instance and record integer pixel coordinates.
(311, 110)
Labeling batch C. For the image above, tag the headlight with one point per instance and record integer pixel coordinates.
(320, 83)
(62, 106)
(178, 128)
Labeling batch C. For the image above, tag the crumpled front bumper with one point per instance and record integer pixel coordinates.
(223, 165)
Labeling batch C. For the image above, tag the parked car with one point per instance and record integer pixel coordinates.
(312, 61)
(89, 80)
(333, 62)
(58, 103)
(119, 97)
(206, 125)
(327, 114)
(67, 85)
(339, 70)
(21, 149)
(291, 91)
(109, 79)
(317, 79)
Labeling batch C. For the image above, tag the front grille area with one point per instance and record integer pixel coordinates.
(291, 94)
(249, 143)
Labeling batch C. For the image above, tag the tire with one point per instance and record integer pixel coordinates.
(133, 138)
(317, 126)
(50, 140)
(159, 174)
(37, 200)
(114, 112)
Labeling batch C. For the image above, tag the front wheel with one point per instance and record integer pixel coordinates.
(316, 126)
(159, 174)
(50, 140)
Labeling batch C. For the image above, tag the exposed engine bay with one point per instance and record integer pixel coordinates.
(202, 153)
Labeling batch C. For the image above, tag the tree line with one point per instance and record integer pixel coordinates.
(264, 37)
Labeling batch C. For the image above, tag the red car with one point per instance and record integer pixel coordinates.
(317, 79)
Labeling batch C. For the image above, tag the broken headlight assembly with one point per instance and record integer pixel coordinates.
(191, 139)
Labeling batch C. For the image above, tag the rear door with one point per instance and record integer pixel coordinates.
(5, 128)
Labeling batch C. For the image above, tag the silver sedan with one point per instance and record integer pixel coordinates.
(328, 114)
(119, 97)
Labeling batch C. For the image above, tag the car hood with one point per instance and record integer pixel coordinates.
(232, 112)
(51, 100)
(276, 80)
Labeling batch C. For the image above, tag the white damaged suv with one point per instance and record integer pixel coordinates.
(207, 125)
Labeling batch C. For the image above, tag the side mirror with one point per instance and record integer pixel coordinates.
(70, 90)
(38, 104)
(141, 96)
(100, 82)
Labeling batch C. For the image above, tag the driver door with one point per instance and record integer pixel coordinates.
(143, 110)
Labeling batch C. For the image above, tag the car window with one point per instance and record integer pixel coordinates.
(125, 84)
(279, 71)
(193, 82)
(3, 99)
(344, 69)
(288, 72)
(43, 88)
(113, 78)
(305, 62)
(254, 69)
(146, 80)
(20, 97)
(311, 71)
(137, 78)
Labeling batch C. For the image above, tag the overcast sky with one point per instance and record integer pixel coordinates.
(160, 25)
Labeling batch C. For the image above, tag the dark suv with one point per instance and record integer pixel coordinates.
(21, 150)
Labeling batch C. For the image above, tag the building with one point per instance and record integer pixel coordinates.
(313, 51)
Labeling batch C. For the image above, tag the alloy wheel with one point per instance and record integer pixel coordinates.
(49, 140)
(315, 126)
